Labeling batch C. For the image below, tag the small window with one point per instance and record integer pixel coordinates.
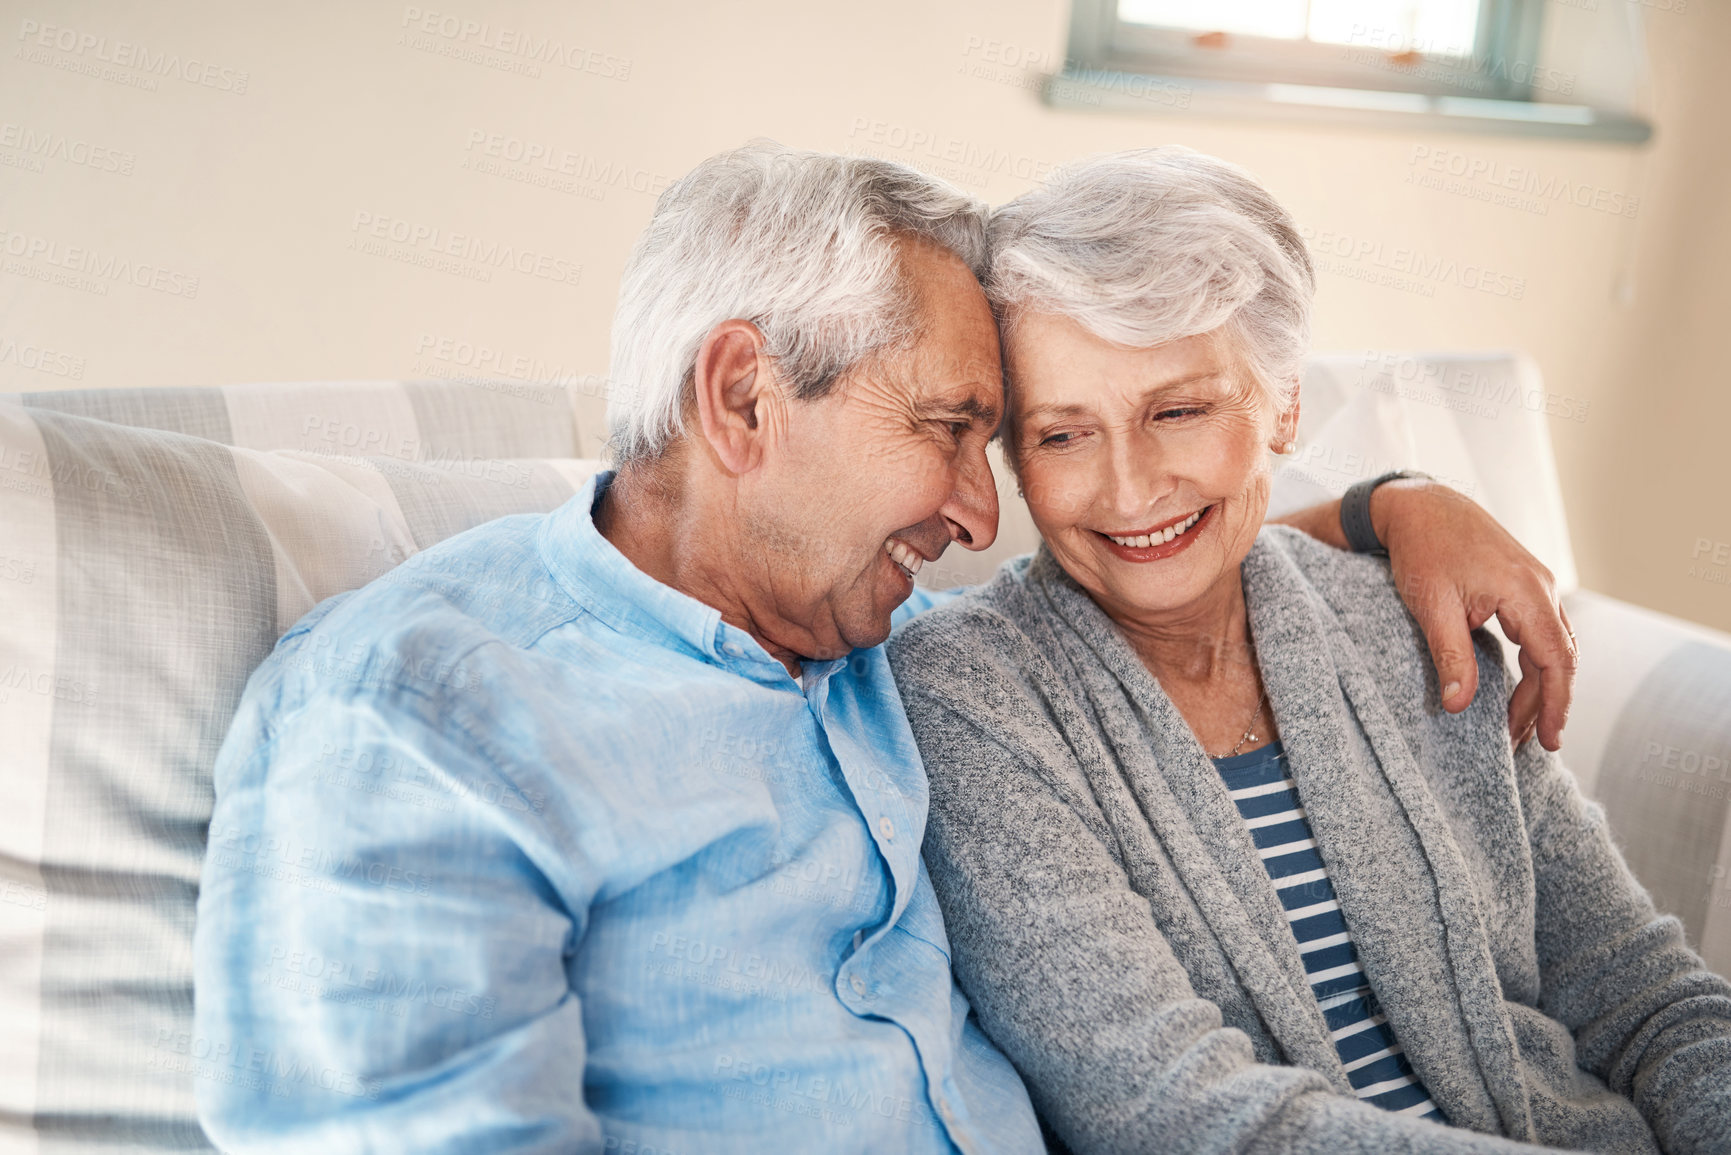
(1455, 60)
(1475, 48)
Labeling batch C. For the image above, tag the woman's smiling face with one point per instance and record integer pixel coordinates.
(1146, 470)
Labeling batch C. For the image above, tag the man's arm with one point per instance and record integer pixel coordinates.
(1456, 568)
(380, 953)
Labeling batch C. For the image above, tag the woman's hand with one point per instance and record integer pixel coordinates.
(1456, 567)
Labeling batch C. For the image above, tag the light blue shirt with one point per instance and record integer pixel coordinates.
(517, 849)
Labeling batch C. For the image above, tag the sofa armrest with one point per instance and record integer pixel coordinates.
(1650, 737)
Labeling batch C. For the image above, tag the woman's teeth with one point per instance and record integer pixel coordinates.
(904, 557)
(1165, 535)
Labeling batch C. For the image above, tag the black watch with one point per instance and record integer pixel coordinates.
(1355, 511)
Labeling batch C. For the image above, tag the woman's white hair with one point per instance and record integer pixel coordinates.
(1154, 245)
(801, 244)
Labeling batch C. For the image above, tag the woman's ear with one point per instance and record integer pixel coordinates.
(1285, 438)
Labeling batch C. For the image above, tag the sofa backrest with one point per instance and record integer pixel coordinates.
(145, 569)
(409, 420)
(1480, 422)
(156, 544)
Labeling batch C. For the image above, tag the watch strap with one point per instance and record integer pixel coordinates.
(1355, 511)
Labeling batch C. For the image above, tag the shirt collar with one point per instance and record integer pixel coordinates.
(605, 583)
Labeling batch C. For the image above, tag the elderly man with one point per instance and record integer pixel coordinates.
(670, 896)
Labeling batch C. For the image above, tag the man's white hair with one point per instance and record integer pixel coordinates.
(1154, 245)
(801, 244)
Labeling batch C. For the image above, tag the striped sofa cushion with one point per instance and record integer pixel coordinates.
(145, 570)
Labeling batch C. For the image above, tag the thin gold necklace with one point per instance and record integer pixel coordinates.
(1250, 729)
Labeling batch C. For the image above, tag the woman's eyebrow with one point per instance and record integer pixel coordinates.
(1191, 379)
(1053, 409)
(1073, 408)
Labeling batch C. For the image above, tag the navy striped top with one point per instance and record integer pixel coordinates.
(1267, 798)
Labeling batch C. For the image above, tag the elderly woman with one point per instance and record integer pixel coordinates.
(1219, 873)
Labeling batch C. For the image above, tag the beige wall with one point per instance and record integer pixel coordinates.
(260, 170)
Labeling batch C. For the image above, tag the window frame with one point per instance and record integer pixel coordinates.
(1112, 65)
(1503, 65)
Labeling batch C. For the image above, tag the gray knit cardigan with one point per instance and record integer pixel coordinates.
(1120, 940)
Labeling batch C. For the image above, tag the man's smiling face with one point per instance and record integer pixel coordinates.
(878, 476)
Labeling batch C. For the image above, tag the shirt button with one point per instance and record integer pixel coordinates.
(858, 985)
(887, 829)
(735, 649)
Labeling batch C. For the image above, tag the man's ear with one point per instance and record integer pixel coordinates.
(737, 395)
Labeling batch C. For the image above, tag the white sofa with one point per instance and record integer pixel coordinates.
(154, 544)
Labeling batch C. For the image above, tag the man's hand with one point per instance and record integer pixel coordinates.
(1456, 568)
